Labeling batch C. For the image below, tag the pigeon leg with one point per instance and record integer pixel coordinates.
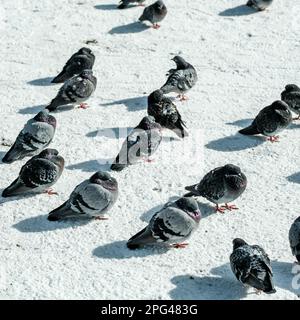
(156, 26)
(50, 192)
(179, 245)
(101, 218)
(182, 97)
(230, 207)
(83, 106)
(149, 160)
(220, 209)
(297, 118)
(273, 139)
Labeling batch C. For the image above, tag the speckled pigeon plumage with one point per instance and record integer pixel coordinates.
(35, 136)
(294, 237)
(165, 113)
(221, 185)
(154, 13)
(270, 121)
(259, 4)
(181, 79)
(37, 175)
(83, 59)
(251, 266)
(141, 143)
(291, 96)
(75, 91)
(124, 3)
(93, 197)
(173, 224)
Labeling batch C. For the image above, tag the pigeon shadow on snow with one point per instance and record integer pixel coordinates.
(106, 7)
(113, 133)
(119, 250)
(42, 82)
(132, 104)
(32, 109)
(241, 10)
(41, 224)
(295, 178)
(190, 287)
(4, 200)
(134, 27)
(92, 165)
(235, 142)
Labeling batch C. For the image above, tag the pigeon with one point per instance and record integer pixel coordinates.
(291, 96)
(35, 136)
(221, 185)
(75, 91)
(270, 121)
(172, 225)
(294, 237)
(181, 79)
(141, 143)
(165, 113)
(92, 198)
(81, 60)
(154, 13)
(259, 5)
(251, 266)
(124, 3)
(37, 175)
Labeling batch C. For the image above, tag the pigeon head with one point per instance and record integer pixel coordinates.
(148, 123)
(44, 116)
(234, 177)
(85, 50)
(291, 87)
(156, 96)
(159, 6)
(282, 109)
(238, 243)
(52, 155)
(180, 62)
(190, 206)
(105, 180)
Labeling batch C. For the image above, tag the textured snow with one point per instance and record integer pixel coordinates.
(243, 59)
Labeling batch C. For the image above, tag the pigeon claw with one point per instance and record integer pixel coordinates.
(156, 26)
(83, 106)
(101, 218)
(273, 139)
(149, 160)
(230, 207)
(297, 118)
(220, 209)
(180, 245)
(182, 97)
(50, 192)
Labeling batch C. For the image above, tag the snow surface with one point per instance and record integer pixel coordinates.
(244, 60)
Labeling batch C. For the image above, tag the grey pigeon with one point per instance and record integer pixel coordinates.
(221, 185)
(270, 121)
(75, 91)
(291, 96)
(35, 136)
(165, 113)
(181, 79)
(251, 266)
(259, 4)
(172, 225)
(154, 13)
(37, 175)
(91, 198)
(124, 3)
(83, 59)
(141, 143)
(294, 237)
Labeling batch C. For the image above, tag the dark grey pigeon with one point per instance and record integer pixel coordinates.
(141, 144)
(83, 59)
(181, 79)
(294, 237)
(270, 121)
(37, 175)
(35, 136)
(259, 4)
(291, 96)
(90, 199)
(124, 3)
(165, 113)
(172, 225)
(251, 266)
(154, 13)
(221, 185)
(75, 91)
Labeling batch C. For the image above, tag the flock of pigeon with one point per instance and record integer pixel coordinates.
(94, 197)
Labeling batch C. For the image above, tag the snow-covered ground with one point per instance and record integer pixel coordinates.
(243, 61)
